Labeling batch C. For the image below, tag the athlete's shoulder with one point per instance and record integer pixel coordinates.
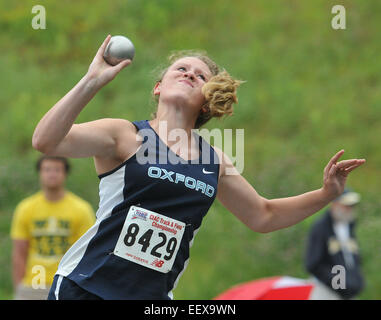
(124, 129)
(118, 124)
(226, 165)
(223, 158)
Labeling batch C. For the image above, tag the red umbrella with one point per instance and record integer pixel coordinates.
(273, 288)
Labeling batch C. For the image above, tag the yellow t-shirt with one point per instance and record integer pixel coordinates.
(51, 228)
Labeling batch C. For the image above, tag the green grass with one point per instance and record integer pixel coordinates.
(310, 91)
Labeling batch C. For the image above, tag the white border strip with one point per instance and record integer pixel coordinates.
(59, 281)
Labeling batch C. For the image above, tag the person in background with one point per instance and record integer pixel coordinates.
(44, 226)
(332, 242)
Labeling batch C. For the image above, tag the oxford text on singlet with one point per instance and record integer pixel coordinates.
(175, 177)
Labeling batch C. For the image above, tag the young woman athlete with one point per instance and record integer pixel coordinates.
(149, 212)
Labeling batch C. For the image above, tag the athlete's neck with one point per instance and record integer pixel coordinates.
(186, 146)
(176, 116)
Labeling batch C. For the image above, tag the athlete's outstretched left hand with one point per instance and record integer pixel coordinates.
(336, 173)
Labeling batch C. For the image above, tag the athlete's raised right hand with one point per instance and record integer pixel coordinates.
(56, 133)
(100, 71)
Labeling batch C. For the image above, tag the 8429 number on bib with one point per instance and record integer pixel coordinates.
(150, 239)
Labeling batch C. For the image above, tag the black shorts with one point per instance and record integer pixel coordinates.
(66, 289)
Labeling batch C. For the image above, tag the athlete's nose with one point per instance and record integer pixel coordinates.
(189, 75)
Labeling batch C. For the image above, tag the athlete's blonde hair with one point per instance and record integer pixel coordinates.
(220, 91)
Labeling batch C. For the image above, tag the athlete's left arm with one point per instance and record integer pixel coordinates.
(264, 215)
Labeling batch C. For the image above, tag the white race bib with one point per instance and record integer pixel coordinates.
(150, 239)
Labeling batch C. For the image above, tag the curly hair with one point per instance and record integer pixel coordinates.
(220, 91)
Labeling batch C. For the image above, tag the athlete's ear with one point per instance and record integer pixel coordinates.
(156, 89)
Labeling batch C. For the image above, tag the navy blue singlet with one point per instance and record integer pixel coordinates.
(183, 191)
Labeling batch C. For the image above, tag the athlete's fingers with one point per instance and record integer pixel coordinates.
(102, 48)
(332, 171)
(122, 65)
(331, 162)
(351, 168)
(346, 163)
(346, 166)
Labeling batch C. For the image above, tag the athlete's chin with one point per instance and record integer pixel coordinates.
(182, 99)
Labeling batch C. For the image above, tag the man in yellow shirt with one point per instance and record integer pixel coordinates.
(44, 226)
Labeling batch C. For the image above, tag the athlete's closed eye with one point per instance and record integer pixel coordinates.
(201, 76)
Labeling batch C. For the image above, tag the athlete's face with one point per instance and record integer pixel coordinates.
(183, 82)
(52, 174)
